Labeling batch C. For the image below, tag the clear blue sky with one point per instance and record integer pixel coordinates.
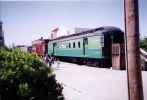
(25, 21)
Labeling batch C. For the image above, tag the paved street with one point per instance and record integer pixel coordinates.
(89, 83)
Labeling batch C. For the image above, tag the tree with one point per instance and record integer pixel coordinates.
(143, 44)
(24, 76)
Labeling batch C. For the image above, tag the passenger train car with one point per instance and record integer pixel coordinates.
(92, 47)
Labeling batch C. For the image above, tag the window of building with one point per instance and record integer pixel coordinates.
(115, 50)
(74, 45)
(79, 44)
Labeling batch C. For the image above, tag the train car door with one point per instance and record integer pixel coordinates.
(54, 47)
(107, 49)
(85, 45)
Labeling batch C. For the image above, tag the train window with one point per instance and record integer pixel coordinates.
(102, 41)
(54, 44)
(66, 46)
(86, 41)
(69, 45)
(102, 38)
(74, 45)
(79, 44)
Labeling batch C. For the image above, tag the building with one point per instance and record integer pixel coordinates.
(54, 33)
(22, 47)
(1, 35)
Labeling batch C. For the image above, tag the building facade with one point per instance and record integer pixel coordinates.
(1, 35)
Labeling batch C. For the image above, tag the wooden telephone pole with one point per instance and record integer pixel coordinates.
(135, 87)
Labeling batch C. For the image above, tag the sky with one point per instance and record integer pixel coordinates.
(25, 21)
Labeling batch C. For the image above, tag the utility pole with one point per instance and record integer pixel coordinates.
(135, 87)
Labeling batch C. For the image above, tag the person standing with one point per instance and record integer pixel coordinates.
(52, 58)
(49, 61)
(46, 59)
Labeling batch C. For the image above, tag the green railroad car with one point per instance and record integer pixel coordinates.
(88, 47)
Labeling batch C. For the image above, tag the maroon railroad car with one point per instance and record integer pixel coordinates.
(39, 46)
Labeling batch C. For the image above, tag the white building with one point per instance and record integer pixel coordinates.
(22, 47)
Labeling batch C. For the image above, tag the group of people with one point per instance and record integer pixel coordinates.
(49, 60)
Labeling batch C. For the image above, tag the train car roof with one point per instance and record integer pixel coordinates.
(102, 29)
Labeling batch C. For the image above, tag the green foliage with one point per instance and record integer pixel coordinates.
(143, 44)
(24, 76)
(23, 89)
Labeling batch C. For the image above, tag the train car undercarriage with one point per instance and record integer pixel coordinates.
(101, 63)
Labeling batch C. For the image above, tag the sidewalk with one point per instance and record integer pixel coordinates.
(89, 83)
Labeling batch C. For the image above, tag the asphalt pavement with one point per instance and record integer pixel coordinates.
(89, 83)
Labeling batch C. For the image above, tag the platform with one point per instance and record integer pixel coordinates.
(89, 83)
